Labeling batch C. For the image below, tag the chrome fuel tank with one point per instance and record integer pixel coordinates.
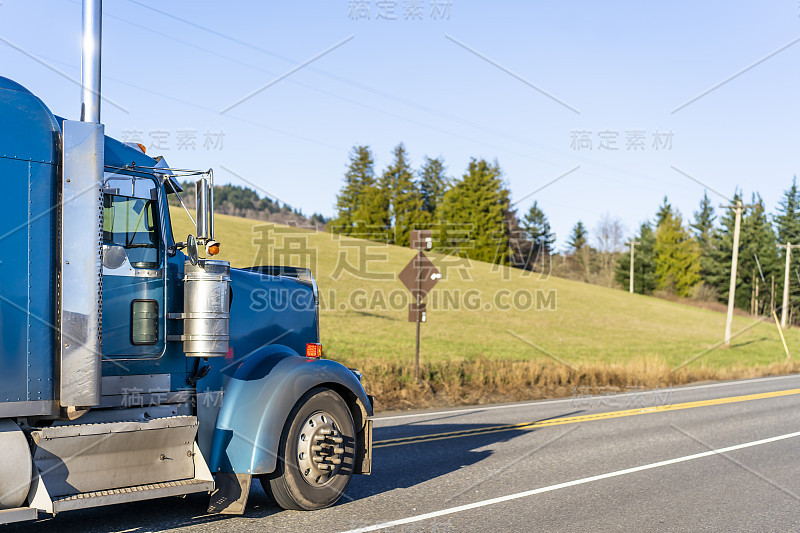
(206, 308)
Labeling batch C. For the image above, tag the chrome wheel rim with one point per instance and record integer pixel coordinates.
(320, 448)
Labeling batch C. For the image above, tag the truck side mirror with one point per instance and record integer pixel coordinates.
(205, 208)
(191, 249)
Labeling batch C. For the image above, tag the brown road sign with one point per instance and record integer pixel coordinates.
(420, 275)
(416, 312)
(421, 239)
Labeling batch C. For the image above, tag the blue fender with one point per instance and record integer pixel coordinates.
(258, 399)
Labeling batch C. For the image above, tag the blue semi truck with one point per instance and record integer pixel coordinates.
(132, 367)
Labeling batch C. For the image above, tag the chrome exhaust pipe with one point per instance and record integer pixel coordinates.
(80, 318)
(90, 60)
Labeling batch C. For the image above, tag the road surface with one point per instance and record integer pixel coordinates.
(716, 457)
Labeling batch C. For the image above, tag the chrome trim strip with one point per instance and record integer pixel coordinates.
(139, 383)
(29, 408)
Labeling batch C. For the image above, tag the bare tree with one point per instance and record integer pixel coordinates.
(609, 235)
(609, 238)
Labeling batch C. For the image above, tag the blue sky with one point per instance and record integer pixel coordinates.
(510, 80)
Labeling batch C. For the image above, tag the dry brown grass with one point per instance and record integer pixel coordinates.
(482, 381)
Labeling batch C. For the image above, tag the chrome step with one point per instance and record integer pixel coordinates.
(9, 516)
(86, 458)
(131, 494)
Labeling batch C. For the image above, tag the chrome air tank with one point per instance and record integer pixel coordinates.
(206, 308)
(16, 468)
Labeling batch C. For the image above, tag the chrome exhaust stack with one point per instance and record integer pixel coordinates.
(90, 60)
(81, 223)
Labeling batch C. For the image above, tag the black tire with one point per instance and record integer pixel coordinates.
(294, 485)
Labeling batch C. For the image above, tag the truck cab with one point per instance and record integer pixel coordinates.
(134, 365)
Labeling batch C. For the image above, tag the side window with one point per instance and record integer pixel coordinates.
(132, 224)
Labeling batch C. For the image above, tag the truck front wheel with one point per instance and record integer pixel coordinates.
(316, 453)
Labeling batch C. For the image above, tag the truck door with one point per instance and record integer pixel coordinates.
(133, 269)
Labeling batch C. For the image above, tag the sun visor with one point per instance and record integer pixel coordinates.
(171, 185)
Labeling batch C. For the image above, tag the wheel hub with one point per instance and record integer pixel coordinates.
(319, 448)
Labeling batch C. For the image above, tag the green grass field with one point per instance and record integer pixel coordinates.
(578, 332)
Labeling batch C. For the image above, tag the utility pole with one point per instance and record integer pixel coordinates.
(758, 304)
(785, 308)
(738, 209)
(632, 244)
(774, 315)
(772, 294)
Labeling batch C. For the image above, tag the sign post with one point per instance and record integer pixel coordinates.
(419, 276)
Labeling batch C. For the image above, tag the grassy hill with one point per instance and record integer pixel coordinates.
(495, 333)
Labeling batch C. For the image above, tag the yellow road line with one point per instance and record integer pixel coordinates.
(584, 418)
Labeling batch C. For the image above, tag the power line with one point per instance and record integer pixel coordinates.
(208, 109)
(360, 86)
(336, 96)
(382, 94)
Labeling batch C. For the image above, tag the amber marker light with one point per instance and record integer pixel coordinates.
(314, 350)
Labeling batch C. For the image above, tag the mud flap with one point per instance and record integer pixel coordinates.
(230, 493)
(363, 464)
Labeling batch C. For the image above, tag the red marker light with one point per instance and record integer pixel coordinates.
(314, 349)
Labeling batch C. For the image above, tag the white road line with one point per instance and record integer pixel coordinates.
(563, 400)
(501, 499)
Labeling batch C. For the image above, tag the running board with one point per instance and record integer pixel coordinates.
(87, 458)
(132, 494)
(9, 516)
(40, 500)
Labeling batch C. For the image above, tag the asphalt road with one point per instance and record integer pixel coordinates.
(715, 457)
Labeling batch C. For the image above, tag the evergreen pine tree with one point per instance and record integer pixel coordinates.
(787, 222)
(578, 237)
(788, 218)
(757, 239)
(477, 203)
(352, 202)
(644, 281)
(677, 256)
(537, 230)
(405, 199)
(663, 211)
(521, 254)
(432, 184)
(703, 227)
(579, 248)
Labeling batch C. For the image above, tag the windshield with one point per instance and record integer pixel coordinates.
(132, 224)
